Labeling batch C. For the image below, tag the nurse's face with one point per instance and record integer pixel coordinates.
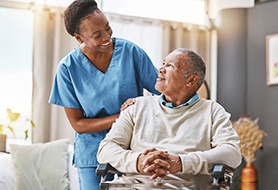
(95, 32)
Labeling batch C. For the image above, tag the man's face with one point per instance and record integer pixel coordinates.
(171, 78)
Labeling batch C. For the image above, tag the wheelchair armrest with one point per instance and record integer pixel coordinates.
(222, 175)
(104, 169)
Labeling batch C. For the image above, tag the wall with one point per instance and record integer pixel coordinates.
(232, 67)
(231, 88)
(242, 85)
(262, 20)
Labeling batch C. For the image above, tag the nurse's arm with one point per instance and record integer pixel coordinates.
(88, 125)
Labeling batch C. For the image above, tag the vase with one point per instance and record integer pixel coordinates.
(249, 177)
(3, 139)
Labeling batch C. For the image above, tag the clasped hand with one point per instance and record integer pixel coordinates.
(158, 163)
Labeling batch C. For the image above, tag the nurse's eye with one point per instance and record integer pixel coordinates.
(97, 35)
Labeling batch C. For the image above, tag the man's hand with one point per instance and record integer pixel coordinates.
(158, 163)
(175, 164)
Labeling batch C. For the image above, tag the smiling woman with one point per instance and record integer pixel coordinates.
(16, 62)
(47, 42)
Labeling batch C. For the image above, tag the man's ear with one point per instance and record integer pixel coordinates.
(192, 80)
(78, 38)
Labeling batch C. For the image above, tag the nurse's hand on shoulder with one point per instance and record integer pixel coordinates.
(127, 103)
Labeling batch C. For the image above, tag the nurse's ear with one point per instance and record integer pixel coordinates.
(78, 37)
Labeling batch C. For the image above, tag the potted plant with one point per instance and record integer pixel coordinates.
(251, 137)
(9, 124)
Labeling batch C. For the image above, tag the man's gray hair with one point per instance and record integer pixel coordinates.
(196, 64)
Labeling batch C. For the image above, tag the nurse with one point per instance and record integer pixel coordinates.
(94, 80)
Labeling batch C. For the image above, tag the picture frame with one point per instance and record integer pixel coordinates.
(272, 59)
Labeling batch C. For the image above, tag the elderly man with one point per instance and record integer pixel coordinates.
(175, 133)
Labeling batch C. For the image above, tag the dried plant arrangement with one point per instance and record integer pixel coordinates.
(250, 137)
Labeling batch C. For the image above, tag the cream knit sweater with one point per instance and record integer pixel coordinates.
(201, 134)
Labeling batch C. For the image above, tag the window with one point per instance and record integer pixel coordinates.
(16, 46)
(186, 11)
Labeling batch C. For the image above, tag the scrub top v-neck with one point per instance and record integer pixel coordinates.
(79, 84)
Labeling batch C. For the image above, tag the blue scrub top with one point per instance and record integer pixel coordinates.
(79, 84)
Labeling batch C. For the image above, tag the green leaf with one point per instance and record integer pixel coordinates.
(26, 134)
(1, 129)
(13, 116)
(32, 123)
(11, 129)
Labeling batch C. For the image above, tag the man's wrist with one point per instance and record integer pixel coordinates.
(139, 165)
(176, 164)
(179, 164)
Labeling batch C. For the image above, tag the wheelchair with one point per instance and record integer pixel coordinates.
(221, 179)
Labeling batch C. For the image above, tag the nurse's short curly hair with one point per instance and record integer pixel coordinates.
(76, 12)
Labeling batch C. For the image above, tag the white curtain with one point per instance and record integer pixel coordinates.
(145, 33)
(158, 38)
(51, 43)
(194, 37)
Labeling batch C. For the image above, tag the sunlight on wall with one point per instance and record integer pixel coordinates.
(16, 91)
(58, 3)
(187, 11)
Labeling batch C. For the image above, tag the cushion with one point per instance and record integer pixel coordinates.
(41, 166)
(6, 172)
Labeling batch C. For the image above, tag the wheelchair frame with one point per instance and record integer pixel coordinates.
(221, 176)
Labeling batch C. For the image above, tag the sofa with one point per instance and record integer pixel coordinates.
(39, 166)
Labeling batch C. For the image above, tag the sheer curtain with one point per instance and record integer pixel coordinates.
(143, 32)
(158, 38)
(194, 37)
(51, 43)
